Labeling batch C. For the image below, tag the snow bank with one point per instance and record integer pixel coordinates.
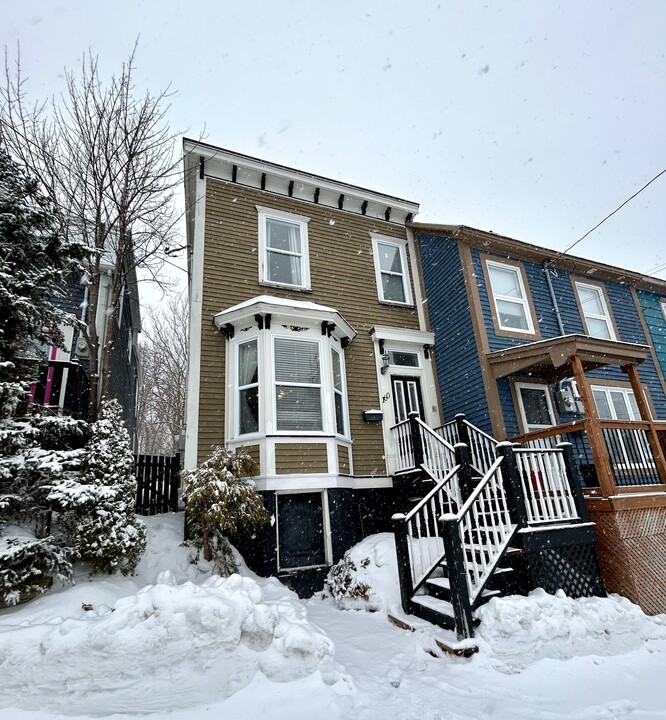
(519, 631)
(166, 646)
(367, 577)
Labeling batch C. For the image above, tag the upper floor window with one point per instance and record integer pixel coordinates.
(593, 307)
(662, 305)
(512, 308)
(283, 249)
(391, 271)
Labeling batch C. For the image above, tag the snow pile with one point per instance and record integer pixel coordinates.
(520, 631)
(166, 646)
(367, 577)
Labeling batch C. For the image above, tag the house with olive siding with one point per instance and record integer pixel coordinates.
(308, 342)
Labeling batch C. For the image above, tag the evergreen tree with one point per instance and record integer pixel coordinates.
(221, 499)
(99, 517)
(34, 450)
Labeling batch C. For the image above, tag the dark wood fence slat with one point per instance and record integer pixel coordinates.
(158, 482)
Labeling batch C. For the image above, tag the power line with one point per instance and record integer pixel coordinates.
(638, 192)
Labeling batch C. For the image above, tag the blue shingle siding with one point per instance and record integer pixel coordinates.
(458, 368)
(654, 318)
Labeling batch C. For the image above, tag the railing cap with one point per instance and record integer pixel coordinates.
(460, 445)
(505, 443)
(564, 444)
(460, 415)
(398, 516)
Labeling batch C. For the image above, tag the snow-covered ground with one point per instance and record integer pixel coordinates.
(174, 642)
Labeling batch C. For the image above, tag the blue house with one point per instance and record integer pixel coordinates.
(536, 347)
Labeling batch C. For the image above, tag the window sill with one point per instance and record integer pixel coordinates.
(393, 303)
(293, 288)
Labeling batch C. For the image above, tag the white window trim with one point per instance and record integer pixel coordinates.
(607, 389)
(264, 214)
(345, 404)
(237, 388)
(521, 408)
(662, 305)
(406, 282)
(523, 302)
(606, 317)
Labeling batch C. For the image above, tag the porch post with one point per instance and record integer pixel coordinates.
(644, 410)
(594, 434)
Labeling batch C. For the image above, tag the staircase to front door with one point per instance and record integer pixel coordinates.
(464, 541)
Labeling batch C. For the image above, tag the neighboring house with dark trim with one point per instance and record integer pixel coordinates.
(62, 384)
(535, 346)
(308, 341)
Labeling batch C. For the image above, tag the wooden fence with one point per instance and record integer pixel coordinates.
(158, 481)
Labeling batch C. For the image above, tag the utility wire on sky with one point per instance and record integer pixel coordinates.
(638, 192)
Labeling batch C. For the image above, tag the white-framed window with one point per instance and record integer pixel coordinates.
(391, 270)
(662, 305)
(596, 316)
(247, 387)
(509, 296)
(283, 249)
(297, 381)
(338, 392)
(403, 358)
(615, 403)
(535, 406)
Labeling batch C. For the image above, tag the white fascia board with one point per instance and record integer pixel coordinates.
(258, 167)
(280, 307)
(394, 334)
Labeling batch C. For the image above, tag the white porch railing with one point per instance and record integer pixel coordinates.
(546, 487)
(424, 540)
(404, 448)
(485, 528)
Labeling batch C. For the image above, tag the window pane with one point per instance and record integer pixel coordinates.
(403, 359)
(337, 374)
(635, 412)
(248, 401)
(284, 268)
(389, 258)
(512, 315)
(283, 236)
(620, 405)
(598, 328)
(505, 282)
(590, 300)
(603, 407)
(393, 288)
(339, 415)
(247, 363)
(535, 406)
(298, 408)
(296, 361)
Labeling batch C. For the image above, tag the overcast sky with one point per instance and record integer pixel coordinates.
(531, 119)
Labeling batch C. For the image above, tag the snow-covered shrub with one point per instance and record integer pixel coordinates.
(221, 500)
(367, 576)
(99, 517)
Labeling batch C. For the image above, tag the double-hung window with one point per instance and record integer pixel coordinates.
(595, 313)
(338, 392)
(248, 387)
(512, 309)
(391, 271)
(297, 368)
(283, 244)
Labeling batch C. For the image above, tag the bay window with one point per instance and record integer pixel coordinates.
(248, 387)
(297, 385)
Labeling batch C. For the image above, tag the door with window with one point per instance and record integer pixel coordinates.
(407, 397)
(535, 405)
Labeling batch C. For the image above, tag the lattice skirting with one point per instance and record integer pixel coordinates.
(632, 552)
(572, 568)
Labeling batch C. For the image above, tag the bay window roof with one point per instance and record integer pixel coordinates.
(284, 310)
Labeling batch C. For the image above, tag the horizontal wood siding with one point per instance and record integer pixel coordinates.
(343, 277)
(254, 451)
(458, 368)
(301, 458)
(343, 460)
(622, 307)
